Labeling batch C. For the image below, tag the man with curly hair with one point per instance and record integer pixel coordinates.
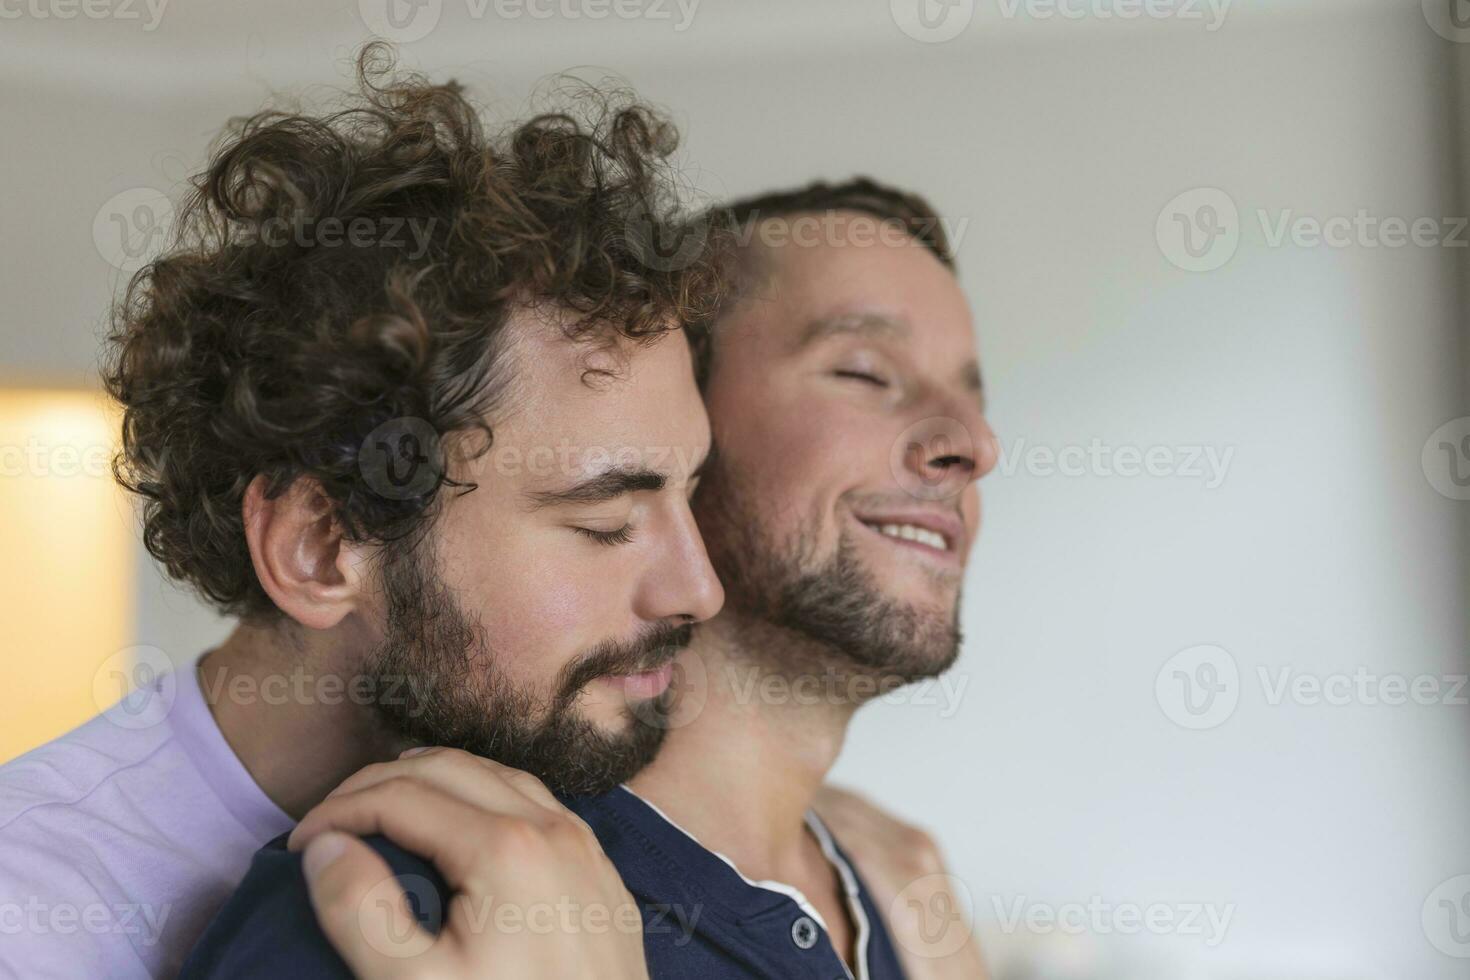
(417, 406)
(844, 391)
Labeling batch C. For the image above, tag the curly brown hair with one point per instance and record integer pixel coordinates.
(333, 273)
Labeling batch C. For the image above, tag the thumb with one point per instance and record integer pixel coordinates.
(362, 907)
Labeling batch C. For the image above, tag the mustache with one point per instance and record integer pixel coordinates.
(652, 649)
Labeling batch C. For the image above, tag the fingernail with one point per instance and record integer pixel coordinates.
(322, 851)
(416, 750)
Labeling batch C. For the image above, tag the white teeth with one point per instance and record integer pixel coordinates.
(910, 532)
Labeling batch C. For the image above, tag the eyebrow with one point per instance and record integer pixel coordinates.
(861, 324)
(611, 484)
(608, 485)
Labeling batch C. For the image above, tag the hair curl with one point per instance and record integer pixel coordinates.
(263, 345)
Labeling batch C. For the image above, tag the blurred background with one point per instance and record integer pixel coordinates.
(1211, 720)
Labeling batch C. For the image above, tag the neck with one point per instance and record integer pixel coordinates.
(295, 711)
(741, 773)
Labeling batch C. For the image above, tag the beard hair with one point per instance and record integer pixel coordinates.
(850, 625)
(454, 693)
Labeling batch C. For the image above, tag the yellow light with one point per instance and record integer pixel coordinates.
(66, 579)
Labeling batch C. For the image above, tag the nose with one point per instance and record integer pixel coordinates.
(949, 448)
(682, 585)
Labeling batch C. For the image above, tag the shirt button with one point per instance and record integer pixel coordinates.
(804, 932)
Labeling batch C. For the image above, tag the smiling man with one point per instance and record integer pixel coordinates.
(844, 392)
(844, 389)
(442, 482)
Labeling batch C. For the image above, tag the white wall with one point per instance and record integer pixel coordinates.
(1059, 775)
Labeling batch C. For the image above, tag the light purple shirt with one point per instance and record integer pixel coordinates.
(120, 839)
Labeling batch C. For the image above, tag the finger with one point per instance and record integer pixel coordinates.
(468, 782)
(362, 909)
(451, 768)
(455, 836)
(457, 762)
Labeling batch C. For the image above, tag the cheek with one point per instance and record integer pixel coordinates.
(540, 603)
(797, 462)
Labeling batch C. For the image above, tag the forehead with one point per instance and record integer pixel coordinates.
(846, 276)
(580, 404)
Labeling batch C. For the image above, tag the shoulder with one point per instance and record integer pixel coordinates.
(70, 769)
(58, 808)
(268, 927)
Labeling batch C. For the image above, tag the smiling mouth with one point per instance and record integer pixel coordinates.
(925, 538)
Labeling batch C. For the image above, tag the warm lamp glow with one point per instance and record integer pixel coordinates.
(66, 582)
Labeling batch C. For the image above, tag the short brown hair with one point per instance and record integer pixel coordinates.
(861, 194)
(908, 211)
(253, 348)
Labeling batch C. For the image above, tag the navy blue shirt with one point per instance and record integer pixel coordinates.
(701, 917)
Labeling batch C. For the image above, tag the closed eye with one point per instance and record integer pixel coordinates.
(622, 535)
(862, 376)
